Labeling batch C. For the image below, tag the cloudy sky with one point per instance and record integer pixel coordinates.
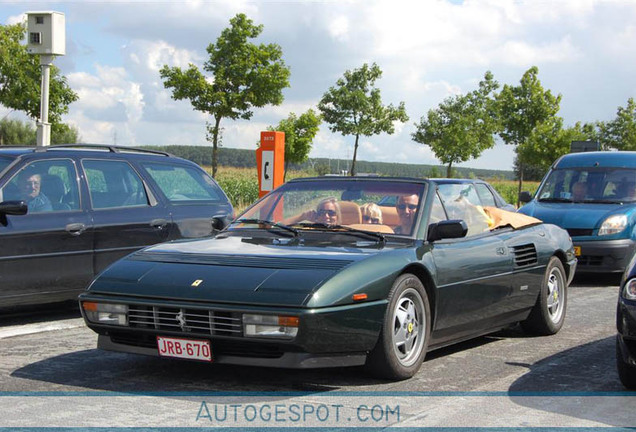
(427, 49)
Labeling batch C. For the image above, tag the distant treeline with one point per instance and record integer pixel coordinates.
(242, 158)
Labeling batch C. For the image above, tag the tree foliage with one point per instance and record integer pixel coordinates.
(524, 108)
(462, 126)
(244, 76)
(620, 133)
(300, 132)
(20, 78)
(16, 132)
(354, 107)
(549, 141)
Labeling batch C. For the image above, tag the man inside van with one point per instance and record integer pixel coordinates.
(579, 191)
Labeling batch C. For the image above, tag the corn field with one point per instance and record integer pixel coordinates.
(241, 185)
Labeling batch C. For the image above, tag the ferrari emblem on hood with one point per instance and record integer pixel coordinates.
(197, 282)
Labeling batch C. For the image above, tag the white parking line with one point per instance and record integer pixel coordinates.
(21, 330)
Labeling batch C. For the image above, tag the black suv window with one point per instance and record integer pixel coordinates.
(114, 184)
(46, 185)
(184, 183)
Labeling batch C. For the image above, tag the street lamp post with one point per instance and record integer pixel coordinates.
(46, 38)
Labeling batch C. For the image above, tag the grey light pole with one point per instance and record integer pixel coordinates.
(46, 38)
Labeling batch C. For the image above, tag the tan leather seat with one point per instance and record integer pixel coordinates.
(385, 229)
(350, 213)
(390, 216)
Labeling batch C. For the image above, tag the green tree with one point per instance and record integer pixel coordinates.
(244, 76)
(20, 78)
(64, 134)
(549, 141)
(16, 132)
(299, 136)
(524, 108)
(462, 127)
(620, 133)
(354, 107)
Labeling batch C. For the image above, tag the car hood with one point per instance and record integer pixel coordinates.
(228, 270)
(573, 215)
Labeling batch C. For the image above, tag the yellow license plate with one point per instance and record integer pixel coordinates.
(577, 250)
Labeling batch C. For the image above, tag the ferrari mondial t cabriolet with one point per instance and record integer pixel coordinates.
(318, 274)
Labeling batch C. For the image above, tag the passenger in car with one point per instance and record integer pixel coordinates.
(626, 190)
(371, 214)
(30, 188)
(579, 191)
(327, 212)
(406, 208)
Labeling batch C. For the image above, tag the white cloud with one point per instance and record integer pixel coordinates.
(339, 28)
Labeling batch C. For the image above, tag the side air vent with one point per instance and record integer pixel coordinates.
(525, 255)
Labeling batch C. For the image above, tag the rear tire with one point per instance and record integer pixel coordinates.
(626, 372)
(405, 333)
(548, 314)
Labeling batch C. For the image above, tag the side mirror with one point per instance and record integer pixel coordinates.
(525, 197)
(218, 223)
(447, 229)
(16, 208)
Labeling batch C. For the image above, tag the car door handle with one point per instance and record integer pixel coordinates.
(159, 223)
(75, 228)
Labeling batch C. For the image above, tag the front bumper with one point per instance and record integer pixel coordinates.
(604, 256)
(327, 337)
(626, 326)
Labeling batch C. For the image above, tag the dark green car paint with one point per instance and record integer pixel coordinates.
(475, 285)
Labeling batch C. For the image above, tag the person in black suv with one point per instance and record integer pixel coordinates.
(30, 187)
(87, 206)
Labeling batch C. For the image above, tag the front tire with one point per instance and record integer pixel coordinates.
(626, 372)
(548, 314)
(405, 333)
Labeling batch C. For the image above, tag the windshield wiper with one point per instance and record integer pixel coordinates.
(270, 224)
(345, 229)
(555, 200)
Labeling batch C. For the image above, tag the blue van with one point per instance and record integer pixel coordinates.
(593, 196)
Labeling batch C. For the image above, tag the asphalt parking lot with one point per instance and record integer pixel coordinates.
(52, 375)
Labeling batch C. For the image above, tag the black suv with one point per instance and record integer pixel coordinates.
(67, 212)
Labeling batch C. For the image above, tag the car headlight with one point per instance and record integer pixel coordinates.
(613, 225)
(106, 313)
(270, 326)
(629, 290)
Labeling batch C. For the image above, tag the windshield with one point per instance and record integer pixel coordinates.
(593, 185)
(339, 205)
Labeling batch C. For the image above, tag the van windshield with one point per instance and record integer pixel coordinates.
(590, 185)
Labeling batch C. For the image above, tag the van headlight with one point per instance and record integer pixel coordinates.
(270, 326)
(613, 225)
(106, 313)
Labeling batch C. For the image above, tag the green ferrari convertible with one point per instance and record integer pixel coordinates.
(321, 272)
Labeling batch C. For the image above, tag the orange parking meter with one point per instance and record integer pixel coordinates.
(270, 161)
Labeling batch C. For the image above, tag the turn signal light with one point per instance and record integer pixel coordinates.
(288, 321)
(89, 306)
(359, 297)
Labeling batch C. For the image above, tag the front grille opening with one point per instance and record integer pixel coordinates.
(186, 320)
(590, 260)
